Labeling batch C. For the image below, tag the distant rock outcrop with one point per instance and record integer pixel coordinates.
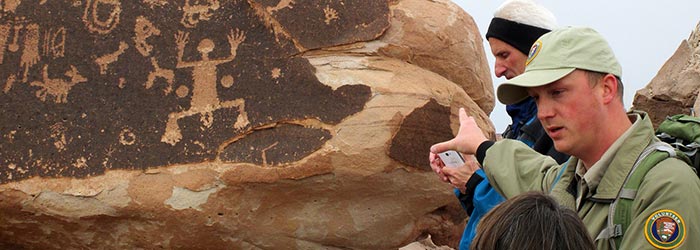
(242, 124)
(676, 88)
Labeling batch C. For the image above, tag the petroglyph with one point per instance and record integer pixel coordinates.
(155, 3)
(55, 43)
(99, 24)
(19, 23)
(30, 54)
(281, 5)
(80, 163)
(205, 99)
(330, 14)
(4, 35)
(126, 137)
(143, 30)
(276, 73)
(159, 72)
(105, 60)
(57, 87)
(227, 81)
(264, 153)
(10, 5)
(58, 133)
(694, 43)
(195, 11)
(9, 82)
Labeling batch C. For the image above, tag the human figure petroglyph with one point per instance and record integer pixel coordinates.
(142, 31)
(98, 24)
(57, 87)
(159, 72)
(205, 98)
(330, 14)
(281, 5)
(19, 23)
(106, 60)
(55, 43)
(195, 11)
(30, 53)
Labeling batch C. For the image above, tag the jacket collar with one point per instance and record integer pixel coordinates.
(642, 133)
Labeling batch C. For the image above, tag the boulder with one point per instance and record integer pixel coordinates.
(244, 124)
(675, 88)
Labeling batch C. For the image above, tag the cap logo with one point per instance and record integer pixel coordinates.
(534, 50)
(665, 229)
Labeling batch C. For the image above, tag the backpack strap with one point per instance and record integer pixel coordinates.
(619, 219)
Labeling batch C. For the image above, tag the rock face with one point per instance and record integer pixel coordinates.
(675, 89)
(207, 124)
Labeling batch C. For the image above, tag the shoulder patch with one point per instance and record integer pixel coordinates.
(665, 229)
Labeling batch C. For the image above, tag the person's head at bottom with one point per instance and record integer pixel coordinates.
(531, 220)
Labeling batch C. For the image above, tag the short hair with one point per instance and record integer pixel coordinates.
(532, 220)
(594, 77)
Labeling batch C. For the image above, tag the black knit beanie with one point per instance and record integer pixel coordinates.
(520, 36)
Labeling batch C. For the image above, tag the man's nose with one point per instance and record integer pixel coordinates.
(499, 70)
(544, 109)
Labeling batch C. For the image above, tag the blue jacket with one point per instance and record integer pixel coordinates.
(480, 197)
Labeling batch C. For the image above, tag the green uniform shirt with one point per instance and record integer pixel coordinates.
(670, 188)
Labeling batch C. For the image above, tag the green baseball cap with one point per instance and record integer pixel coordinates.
(555, 55)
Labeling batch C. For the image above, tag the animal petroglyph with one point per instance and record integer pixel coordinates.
(57, 87)
(30, 54)
(195, 11)
(102, 24)
(143, 30)
(205, 98)
(55, 43)
(280, 5)
(159, 72)
(105, 60)
(330, 14)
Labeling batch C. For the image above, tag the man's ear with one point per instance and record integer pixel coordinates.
(609, 85)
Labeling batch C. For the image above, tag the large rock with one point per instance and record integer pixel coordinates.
(231, 124)
(675, 89)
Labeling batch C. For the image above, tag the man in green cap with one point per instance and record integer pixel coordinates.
(575, 79)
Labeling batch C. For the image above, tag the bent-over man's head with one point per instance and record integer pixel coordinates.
(515, 26)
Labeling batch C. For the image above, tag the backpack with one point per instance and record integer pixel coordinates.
(680, 138)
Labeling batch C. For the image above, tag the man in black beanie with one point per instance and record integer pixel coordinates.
(516, 25)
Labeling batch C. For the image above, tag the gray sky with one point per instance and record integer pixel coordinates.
(643, 34)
